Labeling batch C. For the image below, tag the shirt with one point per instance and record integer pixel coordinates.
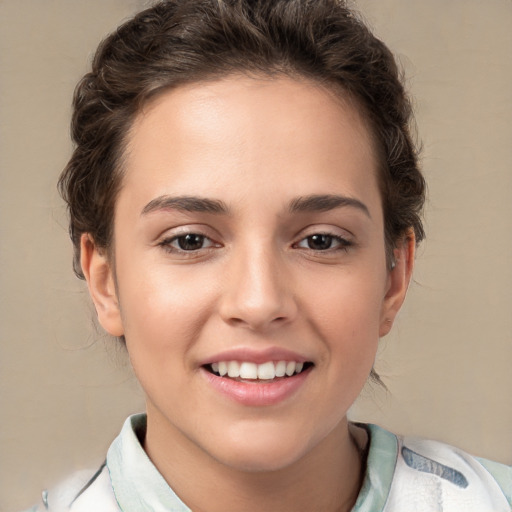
(403, 474)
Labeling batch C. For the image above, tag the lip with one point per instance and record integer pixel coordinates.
(257, 394)
(256, 356)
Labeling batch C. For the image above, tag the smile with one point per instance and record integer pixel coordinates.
(257, 384)
(267, 371)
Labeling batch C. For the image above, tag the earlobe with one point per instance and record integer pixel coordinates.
(99, 275)
(399, 277)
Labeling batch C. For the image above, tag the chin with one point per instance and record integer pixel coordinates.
(259, 461)
(262, 450)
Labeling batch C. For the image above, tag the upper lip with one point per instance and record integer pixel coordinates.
(256, 356)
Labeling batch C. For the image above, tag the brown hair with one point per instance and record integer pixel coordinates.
(182, 41)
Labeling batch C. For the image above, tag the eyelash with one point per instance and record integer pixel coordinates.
(341, 244)
(167, 243)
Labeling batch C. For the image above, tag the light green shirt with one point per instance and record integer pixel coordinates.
(402, 475)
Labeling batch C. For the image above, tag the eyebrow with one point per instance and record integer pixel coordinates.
(186, 204)
(326, 202)
(311, 203)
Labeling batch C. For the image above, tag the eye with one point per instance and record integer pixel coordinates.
(188, 242)
(323, 242)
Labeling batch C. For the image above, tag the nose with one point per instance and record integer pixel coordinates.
(258, 291)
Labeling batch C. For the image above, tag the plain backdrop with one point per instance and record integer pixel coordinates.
(65, 388)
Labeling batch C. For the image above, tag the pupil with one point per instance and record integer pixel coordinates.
(190, 242)
(320, 242)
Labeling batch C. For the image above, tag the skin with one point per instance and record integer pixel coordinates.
(257, 281)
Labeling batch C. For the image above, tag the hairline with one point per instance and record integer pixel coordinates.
(336, 90)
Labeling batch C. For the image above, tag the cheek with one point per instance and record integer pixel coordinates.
(346, 314)
(162, 313)
(346, 302)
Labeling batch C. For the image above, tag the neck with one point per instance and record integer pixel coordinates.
(327, 478)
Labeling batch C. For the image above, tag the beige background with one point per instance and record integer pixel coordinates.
(65, 389)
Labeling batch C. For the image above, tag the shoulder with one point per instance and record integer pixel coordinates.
(82, 492)
(97, 494)
(428, 475)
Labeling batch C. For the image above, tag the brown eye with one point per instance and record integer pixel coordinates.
(320, 242)
(190, 242)
(324, 242)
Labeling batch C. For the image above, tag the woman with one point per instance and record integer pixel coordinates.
(245, 205)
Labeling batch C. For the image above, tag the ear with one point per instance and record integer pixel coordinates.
(398, 281)
(99, 275)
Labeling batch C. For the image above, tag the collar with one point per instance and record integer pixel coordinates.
(136, 482)
(138, 485)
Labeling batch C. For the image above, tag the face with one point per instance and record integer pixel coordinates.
(249, 239)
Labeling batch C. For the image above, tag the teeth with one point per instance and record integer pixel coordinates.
(253, 371)
(233, 369)
(223, 368)
(249, 371)
(266, 371)
(281, 369)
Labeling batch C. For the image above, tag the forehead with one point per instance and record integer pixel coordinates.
(268, 130)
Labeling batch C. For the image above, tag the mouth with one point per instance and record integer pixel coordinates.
(246, 371)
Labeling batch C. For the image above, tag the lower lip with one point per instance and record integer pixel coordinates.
(257, 393)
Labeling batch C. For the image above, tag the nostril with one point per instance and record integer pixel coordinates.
(236, 321)
(255, 323)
